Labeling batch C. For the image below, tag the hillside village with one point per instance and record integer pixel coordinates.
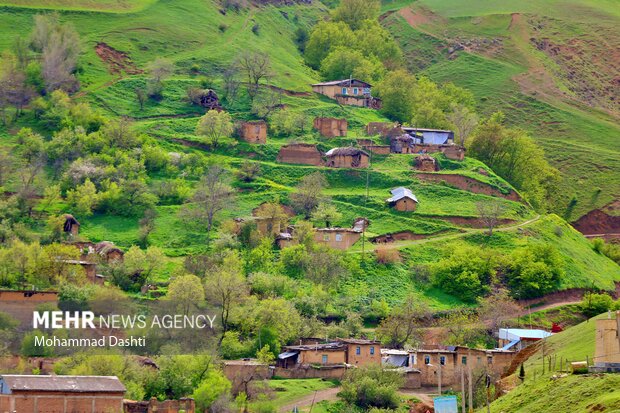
(362, 238)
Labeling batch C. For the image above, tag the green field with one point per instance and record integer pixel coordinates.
(110, 6)
(538, 91)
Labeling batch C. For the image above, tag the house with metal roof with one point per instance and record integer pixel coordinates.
(519, 338)
(403, 199)
(426, 136)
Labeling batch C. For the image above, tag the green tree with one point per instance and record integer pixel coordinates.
(595, 304)
(325, 37)
(326, 213)
(83, 199)
(309, 193)
(369, 387)
(342, 63)
(401, 327)
(213, 386)
(215, 126)
(355, 12)
(186, 292)
(395, 90)
(534, 270)
(373, 40)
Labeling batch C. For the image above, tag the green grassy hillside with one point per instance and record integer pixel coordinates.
(550, 68)
(539, 393)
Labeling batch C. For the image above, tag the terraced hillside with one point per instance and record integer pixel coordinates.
(550, 66)
(201, 38)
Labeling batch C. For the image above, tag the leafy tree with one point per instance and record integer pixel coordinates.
(186, 292)
(355, 12)
(248, 171)
(74, 298)
(215, 126)
(308, 193)
(30, 349)
(466, 273)
(534, 270)
(285, 122)
(395, 90)
(143, 262)
(55, 266)
(264, 355)
(226, 287)
(325, 37)
(327, 213)
(369, 387)
(276, 314)
(83, 199)
(595, 304)
(160, 69)
(464, 121)
(375, 41)
(342, 63)
(210, 389)
(490, 213)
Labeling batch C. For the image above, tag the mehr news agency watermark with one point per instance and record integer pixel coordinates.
(86, 320)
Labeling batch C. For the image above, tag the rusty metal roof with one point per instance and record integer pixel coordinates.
(77, 384)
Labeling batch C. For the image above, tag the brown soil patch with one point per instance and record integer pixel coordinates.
(597, 222)
(116, 60)
(468, 184)
(416, 18)
(288, 92)
(397, 236)
(470, 222)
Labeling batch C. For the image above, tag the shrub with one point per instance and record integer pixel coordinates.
(534, 270)
(387, 255)
(595, 304)
(369, 387)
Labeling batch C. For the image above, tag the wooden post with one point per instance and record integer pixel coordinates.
(462, 389)
(439, 375)
(470, 383)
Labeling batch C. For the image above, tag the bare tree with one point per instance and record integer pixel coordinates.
(212, 195)
(13, 88)
(309, 193)
(230, 76)
(464, 121)
(160, 69)
(490, 213)
(496, 309)
(401, 327)
(257, 67)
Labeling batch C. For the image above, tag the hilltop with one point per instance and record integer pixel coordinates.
(549, 67)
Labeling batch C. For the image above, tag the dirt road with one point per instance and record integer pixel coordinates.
(326, 394)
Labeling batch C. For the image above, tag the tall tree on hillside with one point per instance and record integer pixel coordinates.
(257, 68)
(490, 213)
(309, 193)
(14, 91)
(160, 69)
(326, 212)
(464, 121)
(401, 327)
(215, 125)
(354, 12)
(226, 287)
(230, 76)
(497, 308)
(212, 195)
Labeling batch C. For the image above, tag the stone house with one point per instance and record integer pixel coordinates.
(349, 92)
(349, 157)
(253, 131)
(330, 127)
(60, 394)
(300, 153)
(403, 200)
(426, 163)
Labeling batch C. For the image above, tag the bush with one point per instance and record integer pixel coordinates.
(595, 304)
(387, 255)
(369, 387)
(534, 270)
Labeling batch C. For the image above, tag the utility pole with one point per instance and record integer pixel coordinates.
(488, 384)
(470, 384)
(462, 389)
(439, 376)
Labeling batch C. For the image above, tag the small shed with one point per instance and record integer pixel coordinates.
(401, 144)
(71, 225)
(331, 127)
(403, 199)
(254, 131)
(426, 163)
(347, 158)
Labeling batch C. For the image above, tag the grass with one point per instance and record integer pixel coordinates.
(289, 390)
(110, 6)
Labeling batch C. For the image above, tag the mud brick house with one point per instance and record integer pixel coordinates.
(607, 350)
(519, 338)
(446, 363)
(402, 144)
(71, 225)
(300, 153)
(430, 136)
(320, 359)
(330, 127)
(337, 238)
(60, 394)
(426, 163)
(242, 372)
(104, 251)
(253, 132)
(403, 199)
(349, 157)
(349, 92)
(20, 304)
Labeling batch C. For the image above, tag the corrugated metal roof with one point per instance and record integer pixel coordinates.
(78, 384)
(520, 333)
(339, 82)
(348, 151)
(401, 192)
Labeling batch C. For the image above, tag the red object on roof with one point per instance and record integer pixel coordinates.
(556, 328)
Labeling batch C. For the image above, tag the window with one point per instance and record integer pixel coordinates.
(427, 359)
(338, 237)
(442, 360)
(324, 358)
(344, 90)
(464, 360)
(358, 350)
(372, 351)
(490, 360)
(355, 91)
(325, 237)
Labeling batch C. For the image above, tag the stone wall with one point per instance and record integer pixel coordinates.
(300, 153)
(331, 127)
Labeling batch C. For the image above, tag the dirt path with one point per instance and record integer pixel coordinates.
(326, 394)
(404, 244)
